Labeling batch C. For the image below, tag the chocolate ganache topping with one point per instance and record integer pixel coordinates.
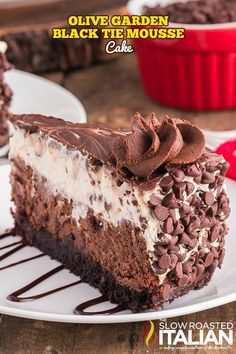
(153, 144)
(138, 153)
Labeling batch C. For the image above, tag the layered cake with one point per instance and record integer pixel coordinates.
(140, 214)
(5, 96)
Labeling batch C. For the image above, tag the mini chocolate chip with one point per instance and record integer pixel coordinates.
(159, 250)
(214, 251)
(170, 201)
(189, 187)
(193, 235)
(184, 239)
(200, 267)
(212, 166)
(178, 228)
(207, 178)
(163, 239)
(154, 200)
(166, 183)
(187, 267)
(179, 270)
(181, 256)
(174, 260)
(157, 269)
(211, 211)
(175, 248)
(193, 243)
(221, 256)
(183, 281)
(213, 265)
(172, 213)
(214, 232)
(208, 198)
(173, 242)
(161, 212)
(197, 179)
(179, 189)
(168, 226)
(225, 167)
(193, 171)
(185, 220)
(196, 201)
(184, 209)
(178, 175)
(208, 259)
(165, 261)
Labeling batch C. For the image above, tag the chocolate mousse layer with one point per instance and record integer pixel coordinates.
(141, 236)
(197, 12)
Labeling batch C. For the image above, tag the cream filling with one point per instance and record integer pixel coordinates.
(70, 173)
(3, 47)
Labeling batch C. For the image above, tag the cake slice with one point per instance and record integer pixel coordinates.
(141, 214)
(5, 96)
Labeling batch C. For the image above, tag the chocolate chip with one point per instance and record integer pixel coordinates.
(212, 210)
(183, 281)
(170, 201)
(154, 200)
(157, 269)
(214, 232)
(212, 166)
(185, 220)
(172, 213)
(178, 228)
(197, 179)
(168, 226)
(189, 187)
(174, 260)
(173, 242)
(208, 198)
(179, 270)
(165, 261)
(221, 256)
(163, 239)
(213, 265)
(184, 239)
(159, 250)
(178, 175)
(166, 183)
(161, 212)
(200, 267)
(187, 267)
(208, 259)
(179, 189)
(193, 243)
(181, 256)
(196, 201)
(207, 178)
(193, 171)
(184, 209)
(224, 168)
(193, 234)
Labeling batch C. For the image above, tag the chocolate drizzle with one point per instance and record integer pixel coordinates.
(136, 154)
(16, 295)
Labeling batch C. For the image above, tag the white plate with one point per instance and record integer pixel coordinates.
(34, 94)
(59, 306)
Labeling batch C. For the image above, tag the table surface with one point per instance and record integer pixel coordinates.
(111, 93)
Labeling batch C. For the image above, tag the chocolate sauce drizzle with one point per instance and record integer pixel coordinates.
(16, 296)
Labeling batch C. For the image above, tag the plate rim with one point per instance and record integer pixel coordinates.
(46, 81)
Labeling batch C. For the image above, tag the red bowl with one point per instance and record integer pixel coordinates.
(197, 72)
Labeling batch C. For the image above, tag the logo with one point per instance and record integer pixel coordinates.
(188, 335)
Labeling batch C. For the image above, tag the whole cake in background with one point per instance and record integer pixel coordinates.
(140, 214)
(196, 12)
(5, 96)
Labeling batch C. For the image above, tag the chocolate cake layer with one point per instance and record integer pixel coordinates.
(153, 237)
